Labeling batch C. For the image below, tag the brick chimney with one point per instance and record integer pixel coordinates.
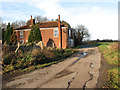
(31, 21)
(60, 32)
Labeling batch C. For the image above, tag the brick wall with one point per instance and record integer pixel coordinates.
(25, 36)
(47, 34)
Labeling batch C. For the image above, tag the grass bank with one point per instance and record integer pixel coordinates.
(111, 52)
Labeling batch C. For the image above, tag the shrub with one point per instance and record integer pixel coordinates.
(38, 58)
(8, 58)
(8, 68)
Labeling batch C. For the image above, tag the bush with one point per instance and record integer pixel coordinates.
(36, 58)
(8, 68)
(8, 58)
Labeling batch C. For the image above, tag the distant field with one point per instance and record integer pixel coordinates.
(106, 43)
(93, 44)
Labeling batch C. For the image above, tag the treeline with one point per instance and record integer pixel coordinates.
(106, 40)
(20, 23)
(9, 35)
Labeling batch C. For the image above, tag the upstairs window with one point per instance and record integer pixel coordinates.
(21, 34)
(69, 33)
(55, 33)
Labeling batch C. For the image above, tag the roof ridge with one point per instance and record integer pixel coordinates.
(48, 22)
(21, 26)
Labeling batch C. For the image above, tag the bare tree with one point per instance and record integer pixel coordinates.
(0, 20)
(39, 19)
(2, 25)
(82, 33)
(17, 24)
(52, 20)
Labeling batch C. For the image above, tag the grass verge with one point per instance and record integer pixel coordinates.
(111, 52)
(113, 78)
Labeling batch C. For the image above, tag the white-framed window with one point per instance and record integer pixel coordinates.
(21, 34)
(55, 33)
(21, 41)
(69, 33)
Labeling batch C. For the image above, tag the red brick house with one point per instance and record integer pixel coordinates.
(51, 32)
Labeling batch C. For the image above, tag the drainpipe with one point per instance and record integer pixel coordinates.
(60, 32)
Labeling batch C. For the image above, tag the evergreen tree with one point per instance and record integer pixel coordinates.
(13, 38)
(31, 37)
(65, 23)
(3, 35)
(8, 34)
(37, 34)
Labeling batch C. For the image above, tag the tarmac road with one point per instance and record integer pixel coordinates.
(75, 72)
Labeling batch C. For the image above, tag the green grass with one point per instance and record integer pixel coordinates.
(93, 44)
(105, 43)
(114, 78)
(111, 55)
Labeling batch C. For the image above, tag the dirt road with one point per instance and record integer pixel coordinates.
(75, 72)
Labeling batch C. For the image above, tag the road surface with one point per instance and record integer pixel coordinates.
(74, 72)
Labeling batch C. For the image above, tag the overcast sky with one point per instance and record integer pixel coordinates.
(99, 16)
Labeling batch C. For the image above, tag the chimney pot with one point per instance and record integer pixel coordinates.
(59, 17)
(31, 16)
(31, 21)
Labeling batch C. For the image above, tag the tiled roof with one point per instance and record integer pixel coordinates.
(48, 24)
(23, 27)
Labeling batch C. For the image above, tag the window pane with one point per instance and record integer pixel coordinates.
(55, 33)
(21, 36)
(21, 32)
(69, 33)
